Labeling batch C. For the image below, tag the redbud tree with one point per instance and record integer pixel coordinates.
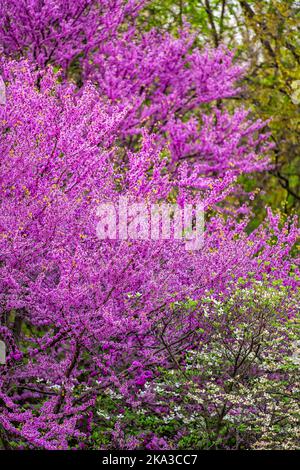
(96, 109)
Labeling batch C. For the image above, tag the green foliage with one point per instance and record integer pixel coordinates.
(265, 36)
(239, 390)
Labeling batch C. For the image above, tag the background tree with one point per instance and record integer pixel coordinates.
(265, 37)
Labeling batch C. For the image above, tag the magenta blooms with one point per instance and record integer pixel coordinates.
(160, 81)
(94, 110)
